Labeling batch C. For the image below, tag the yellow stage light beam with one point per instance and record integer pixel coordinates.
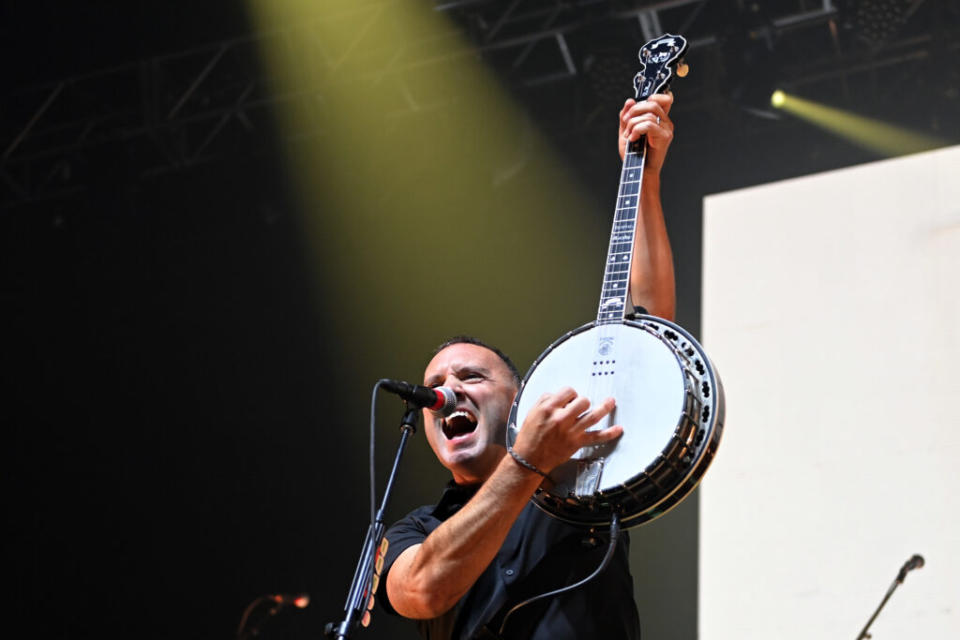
(431, 204)
(878, 136)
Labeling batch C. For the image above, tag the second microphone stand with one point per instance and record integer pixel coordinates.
(913, 563)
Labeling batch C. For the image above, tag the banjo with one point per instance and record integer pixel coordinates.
(669, 397)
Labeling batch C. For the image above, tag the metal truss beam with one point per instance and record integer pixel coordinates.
(173, 112)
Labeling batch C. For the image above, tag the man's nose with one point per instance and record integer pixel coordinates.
(454, 383)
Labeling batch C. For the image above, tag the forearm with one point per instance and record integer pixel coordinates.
(427, 580)
(652, 283)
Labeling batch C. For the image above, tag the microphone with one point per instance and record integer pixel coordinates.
(915, 562)
(442, 400)
(300, 601)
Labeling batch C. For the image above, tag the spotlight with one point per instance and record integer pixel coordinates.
(883, 138)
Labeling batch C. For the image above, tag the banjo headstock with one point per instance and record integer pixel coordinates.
(659, 58)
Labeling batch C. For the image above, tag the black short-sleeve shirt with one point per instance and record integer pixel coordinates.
(540, 554)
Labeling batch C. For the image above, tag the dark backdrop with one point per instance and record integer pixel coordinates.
(181, 439)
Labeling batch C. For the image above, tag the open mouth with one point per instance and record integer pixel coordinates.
(459, 423)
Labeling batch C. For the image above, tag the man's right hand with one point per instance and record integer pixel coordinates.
(556, 427)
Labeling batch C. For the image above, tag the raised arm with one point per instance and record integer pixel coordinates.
(651, 274)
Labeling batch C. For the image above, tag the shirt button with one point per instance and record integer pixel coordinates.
(509, 572)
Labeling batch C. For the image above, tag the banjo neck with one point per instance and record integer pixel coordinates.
(658, 58)
(616, 276)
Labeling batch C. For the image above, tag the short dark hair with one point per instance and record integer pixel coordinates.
(462, 339)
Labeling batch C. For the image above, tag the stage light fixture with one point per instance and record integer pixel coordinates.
(777, 98)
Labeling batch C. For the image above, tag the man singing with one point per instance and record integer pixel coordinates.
(459, 566)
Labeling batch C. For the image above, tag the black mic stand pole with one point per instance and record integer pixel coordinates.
(360, 592)
(893, 587)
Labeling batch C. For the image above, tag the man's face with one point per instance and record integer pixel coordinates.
(471, 441)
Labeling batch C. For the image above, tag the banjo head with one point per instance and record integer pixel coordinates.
(669, 403)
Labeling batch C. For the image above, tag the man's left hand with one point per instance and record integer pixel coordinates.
(648, 118)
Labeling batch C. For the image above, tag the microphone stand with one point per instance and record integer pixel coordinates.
(360, 593)
(896, 583)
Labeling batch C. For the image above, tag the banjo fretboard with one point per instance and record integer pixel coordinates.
(616, 276)
(657, 57)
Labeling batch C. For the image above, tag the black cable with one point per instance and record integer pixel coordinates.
(614, 534)
(373, 411)
(246, 615)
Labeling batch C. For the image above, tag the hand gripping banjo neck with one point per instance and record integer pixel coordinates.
(669, 397)
(658, 57)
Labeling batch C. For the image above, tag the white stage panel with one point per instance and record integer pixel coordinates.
(831, 311)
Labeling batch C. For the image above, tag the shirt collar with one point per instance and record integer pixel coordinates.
(453, 498)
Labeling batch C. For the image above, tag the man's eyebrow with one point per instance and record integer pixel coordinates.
(472, 368)
(459, 370)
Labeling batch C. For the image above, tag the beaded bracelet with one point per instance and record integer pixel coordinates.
(524, 463)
